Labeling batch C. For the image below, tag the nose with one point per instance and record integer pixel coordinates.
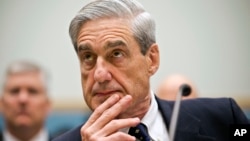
(102, 73)
(23, 96)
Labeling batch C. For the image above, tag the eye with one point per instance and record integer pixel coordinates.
(33, 91)
(88, 59)
(117, 54)
(14, 91)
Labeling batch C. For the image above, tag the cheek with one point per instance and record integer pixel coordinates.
(38, 102)
(140, 84)
(44, 108)
(86, 81)
(9, 108)
(8, 104)
(139, 80)
(87, 85)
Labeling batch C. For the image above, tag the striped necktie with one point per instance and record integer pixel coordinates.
(140, 132)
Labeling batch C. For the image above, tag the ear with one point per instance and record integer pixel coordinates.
(153, 59)
(2, 105)
(49, 105)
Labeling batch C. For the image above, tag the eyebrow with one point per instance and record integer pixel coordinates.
(109, 44)
(112, 44)
(83, 47)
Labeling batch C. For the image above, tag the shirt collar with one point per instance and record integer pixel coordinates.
(151, 115)
(154, 121)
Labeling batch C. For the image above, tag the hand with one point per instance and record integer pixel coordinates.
(102, 125)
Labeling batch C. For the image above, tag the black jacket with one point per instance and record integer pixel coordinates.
(201, 119)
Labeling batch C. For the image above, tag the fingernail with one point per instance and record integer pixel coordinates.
(137, 119)
(127, 97)
(115, 97)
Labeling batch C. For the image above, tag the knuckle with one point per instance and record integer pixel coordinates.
(93, 138)
(98, 111)
(86, 133)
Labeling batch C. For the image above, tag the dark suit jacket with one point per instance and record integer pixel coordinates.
(200, 119)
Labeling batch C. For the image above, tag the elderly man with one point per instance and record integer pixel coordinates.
(25, 103)
(115, 43)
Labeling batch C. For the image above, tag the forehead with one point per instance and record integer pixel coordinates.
(104, 28)
(108, 23)
(31, 78)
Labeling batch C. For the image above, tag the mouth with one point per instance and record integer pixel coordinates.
(106, 93)
(23, 113)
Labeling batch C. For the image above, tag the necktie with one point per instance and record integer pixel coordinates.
(140, 132)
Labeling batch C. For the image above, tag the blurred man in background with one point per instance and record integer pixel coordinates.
(25, 103)
(169, 87)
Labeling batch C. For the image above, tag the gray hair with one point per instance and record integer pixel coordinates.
(142, 24)
(26, 67)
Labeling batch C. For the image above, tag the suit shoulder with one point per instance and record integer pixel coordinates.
(207, 104)
(225, 108)
(205, 101)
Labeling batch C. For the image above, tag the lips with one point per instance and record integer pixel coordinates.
(106, 89)
(104, 93)
(23, 112)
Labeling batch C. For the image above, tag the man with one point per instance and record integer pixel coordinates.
(115, 43)
(25, 103)
(169, 87)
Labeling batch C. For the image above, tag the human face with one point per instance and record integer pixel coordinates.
(111, 63)
(24, 100)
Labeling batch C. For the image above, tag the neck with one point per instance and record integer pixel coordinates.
(24, 133)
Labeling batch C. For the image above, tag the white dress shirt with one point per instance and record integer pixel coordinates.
(41, 136)
(154, 122)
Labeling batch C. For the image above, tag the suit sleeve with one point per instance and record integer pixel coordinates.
(238, 114)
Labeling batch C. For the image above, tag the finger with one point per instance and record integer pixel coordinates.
(108, 115)
(111, 130)
(118, 136)
(100, 109)
(114, 125)
(112, 112)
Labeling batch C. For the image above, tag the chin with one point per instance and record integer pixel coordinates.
(94, 106)
(97, 101)
(23, 122)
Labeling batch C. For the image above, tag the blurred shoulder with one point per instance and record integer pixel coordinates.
(71, 135)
